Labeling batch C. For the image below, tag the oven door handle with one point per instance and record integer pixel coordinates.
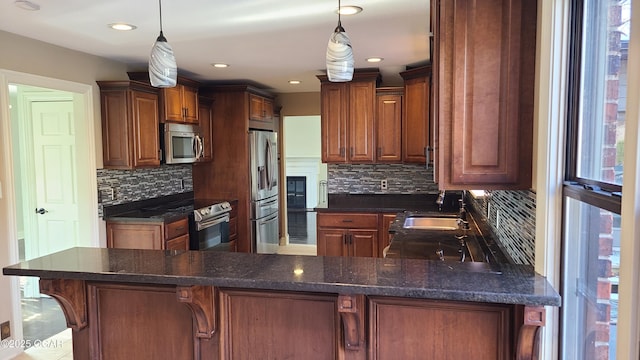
(211, 222)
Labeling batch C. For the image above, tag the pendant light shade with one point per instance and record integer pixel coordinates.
(339, 55)
(163, 70)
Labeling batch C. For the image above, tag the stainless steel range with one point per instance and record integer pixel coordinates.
(209, 225)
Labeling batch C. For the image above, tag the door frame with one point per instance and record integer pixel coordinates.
(83, 110)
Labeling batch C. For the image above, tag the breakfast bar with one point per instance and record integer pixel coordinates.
(151, 304)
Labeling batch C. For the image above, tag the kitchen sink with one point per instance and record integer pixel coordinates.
(430, 223)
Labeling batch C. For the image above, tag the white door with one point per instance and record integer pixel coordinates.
(56, 206)
(47, 159)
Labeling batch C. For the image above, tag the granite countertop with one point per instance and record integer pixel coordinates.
(468, 281)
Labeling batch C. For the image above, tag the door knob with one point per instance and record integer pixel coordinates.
(41, 211)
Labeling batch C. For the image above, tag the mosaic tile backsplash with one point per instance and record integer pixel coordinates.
(365, 179)
(512, 217)
(122, 186)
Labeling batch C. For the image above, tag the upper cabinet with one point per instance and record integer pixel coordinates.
(417, 143)
(484, 64)
(178, 104)
(348, 118)
(129, 125)
(389, 104)
(261, 115)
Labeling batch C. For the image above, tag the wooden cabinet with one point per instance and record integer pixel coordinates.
(347, 118)
(233, 227)
(389, 104)
(488, 328)
(177, 104)
(484, 59)
(148, 235)
(261, 115)
(227, 175)
(347, 234)
(180, 103)
(205, 114)
(384, 236)
(417, 142)
(129, 125)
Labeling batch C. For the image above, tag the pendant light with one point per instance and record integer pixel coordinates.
(163, 70)
(339, 55)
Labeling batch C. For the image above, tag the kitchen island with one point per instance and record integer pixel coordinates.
(155, 304)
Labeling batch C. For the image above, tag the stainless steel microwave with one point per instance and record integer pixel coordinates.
(181, 143)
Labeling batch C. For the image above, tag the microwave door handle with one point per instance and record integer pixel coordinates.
(200, 143)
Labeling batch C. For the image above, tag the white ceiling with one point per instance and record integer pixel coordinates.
(266, 41)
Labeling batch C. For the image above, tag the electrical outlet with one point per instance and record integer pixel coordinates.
(5, 330)
(383, 184)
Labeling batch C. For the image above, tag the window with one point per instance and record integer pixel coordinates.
(594, 173)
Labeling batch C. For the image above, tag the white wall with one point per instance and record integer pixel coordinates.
(38, 58)
(303, 154)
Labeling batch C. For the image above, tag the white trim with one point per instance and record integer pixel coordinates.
(550, 115)
(84, 96)
(628, 346)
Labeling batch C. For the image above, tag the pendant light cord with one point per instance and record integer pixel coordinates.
(160, 6)
(339, 28)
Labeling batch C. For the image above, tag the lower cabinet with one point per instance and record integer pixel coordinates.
(233, 227)
(347, 234)
(354, 234)
(434, 329)
(148, 235)
(385, 237)
(144, 321)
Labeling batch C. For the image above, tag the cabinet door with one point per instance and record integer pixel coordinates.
(415, 127)
(206, 118)
(334, 123)
(363, 243)
(388, 127)
(331, 242)
(172, 104)
(488, 329)
(116, 130)
(256, 111)
(190, 105)
(134, 236)
(267, 110)
(146, 141)
(486, 82)
(361, 122)
(179, 243)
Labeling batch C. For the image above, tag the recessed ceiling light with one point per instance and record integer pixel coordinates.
(220, 65)
(349, 10)
(294, 82)
(122, 26)
(374, 59)
(27, 5)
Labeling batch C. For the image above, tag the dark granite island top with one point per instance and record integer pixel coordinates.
(156, 304)
(475, 282)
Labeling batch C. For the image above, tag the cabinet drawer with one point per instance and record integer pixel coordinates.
(348, 220)
(176, 228)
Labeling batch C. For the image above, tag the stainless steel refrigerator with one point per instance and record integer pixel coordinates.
(264, 192)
